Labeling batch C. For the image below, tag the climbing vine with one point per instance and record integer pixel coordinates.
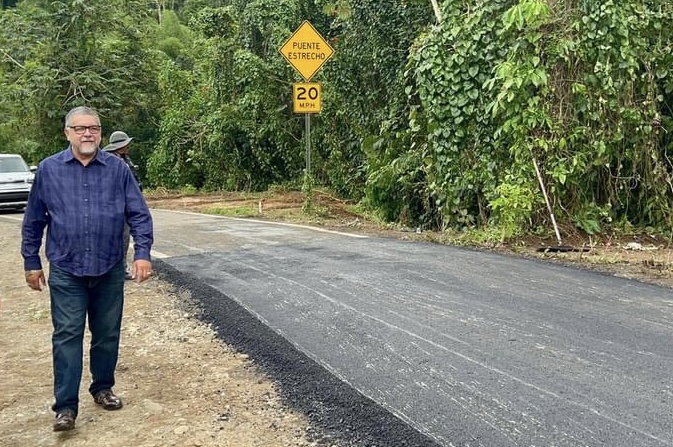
(582, 88)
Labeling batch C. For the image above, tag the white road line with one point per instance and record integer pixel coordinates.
(286, 224)
(159, 255)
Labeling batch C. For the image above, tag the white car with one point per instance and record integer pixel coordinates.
(16, 178)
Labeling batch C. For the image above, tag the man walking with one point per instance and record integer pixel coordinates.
(84, 196)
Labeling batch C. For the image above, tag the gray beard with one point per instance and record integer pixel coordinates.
(87, 151)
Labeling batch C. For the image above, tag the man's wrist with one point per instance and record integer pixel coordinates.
(32, 272)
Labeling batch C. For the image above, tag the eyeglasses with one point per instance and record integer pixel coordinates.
(79, 130)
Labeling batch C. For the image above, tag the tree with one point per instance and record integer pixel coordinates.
(56, 55)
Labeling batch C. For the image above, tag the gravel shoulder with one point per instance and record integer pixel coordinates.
(181, 385)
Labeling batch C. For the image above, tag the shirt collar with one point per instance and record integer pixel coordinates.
(100, 157)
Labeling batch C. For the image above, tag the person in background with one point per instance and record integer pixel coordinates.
(119, 145)
(84, 196)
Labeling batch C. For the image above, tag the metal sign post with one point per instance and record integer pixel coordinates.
(307, 125)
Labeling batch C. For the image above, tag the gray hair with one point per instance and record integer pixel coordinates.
(81, 110)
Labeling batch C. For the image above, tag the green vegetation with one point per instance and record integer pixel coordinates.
(427, 124)
(243, 211)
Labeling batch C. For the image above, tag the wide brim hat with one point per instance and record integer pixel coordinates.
(118, 140)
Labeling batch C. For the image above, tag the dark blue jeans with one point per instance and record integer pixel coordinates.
(73, 300)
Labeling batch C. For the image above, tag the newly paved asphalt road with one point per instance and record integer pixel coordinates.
(465, 347)
(469, 348)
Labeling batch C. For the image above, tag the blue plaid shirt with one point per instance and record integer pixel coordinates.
(84, 209)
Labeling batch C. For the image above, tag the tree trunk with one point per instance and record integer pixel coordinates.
(438, 13)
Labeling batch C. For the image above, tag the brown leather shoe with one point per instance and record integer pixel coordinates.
(65, 420)
(108, 400)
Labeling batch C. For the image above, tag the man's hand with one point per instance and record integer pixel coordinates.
(35, 279)
(141, 270)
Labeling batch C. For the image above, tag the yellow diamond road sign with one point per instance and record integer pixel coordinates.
(306, 50)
